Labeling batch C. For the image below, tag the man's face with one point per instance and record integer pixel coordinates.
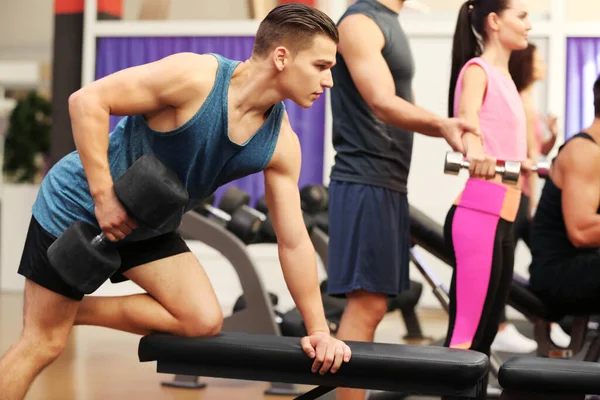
(308, 73)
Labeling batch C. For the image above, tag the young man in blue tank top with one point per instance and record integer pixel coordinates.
(211, 120)
(373, 123)
(565, 238)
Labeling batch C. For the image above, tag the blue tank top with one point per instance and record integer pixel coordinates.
(200, 152)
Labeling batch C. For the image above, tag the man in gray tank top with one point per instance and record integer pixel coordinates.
(373, 123)
(210, 120)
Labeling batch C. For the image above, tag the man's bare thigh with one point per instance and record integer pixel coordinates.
(178, 282)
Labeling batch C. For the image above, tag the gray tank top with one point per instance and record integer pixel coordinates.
(369, 151)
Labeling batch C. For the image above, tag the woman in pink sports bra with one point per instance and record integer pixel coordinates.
(478, 227)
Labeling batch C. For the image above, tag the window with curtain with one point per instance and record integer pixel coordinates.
(583, 68)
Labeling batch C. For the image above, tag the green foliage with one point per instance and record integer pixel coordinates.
(27, 138)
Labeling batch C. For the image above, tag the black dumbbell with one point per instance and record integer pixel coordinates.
(84, 257)
(314, 198)
(233, 199)
(454, 162)
(244, 222)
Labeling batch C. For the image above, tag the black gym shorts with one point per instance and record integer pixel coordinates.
(36, 266)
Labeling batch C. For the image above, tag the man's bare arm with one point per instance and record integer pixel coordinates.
(170, 82)
(580, 170)
(296, 251)
(361, 42)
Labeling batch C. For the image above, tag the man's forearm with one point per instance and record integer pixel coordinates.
(299, 266)
(90, 124)
(405, 115)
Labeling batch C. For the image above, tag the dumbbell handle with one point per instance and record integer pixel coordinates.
(542, 168)
(100, 240)
(499, 168)
(217, 212)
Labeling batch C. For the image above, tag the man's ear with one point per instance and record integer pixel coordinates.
(281, 57)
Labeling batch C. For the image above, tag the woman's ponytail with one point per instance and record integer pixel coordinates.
(464, 47)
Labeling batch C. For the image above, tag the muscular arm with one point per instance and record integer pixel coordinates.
(361, 42)
(579, 167)
(474, 85)
(137, 90)
(296, 251)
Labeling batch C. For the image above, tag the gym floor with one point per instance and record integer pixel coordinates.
(100, 363)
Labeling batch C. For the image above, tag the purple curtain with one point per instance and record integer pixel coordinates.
(583, 68)
(114, 54)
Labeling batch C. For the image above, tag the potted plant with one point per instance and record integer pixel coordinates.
(26, 146)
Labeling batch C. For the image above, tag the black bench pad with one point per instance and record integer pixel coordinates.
(543, 375)
(269, 358)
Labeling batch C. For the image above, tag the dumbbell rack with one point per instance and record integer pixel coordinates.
(258, 317)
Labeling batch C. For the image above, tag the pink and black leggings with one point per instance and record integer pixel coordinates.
(483, 253)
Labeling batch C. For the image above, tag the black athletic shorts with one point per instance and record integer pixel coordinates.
(36, 267)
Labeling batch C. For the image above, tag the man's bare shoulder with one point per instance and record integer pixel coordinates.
(581, 157)
(287, 154)
(357, 30)
(358, 20)
(195, 69)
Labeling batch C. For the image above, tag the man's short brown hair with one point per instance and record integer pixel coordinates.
(293, 25)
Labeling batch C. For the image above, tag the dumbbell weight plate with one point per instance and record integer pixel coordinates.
(453, 163)
(232, 199)
(314, 198)
(148, 178)
(244, 224)
(512, 171)
(90, 262)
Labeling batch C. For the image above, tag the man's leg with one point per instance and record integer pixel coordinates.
(47, 321)
(180, 300)
(362, 315)
(368, 259)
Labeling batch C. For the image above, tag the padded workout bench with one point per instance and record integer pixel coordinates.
(429, 235)
(421, 370)
(539, 378)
